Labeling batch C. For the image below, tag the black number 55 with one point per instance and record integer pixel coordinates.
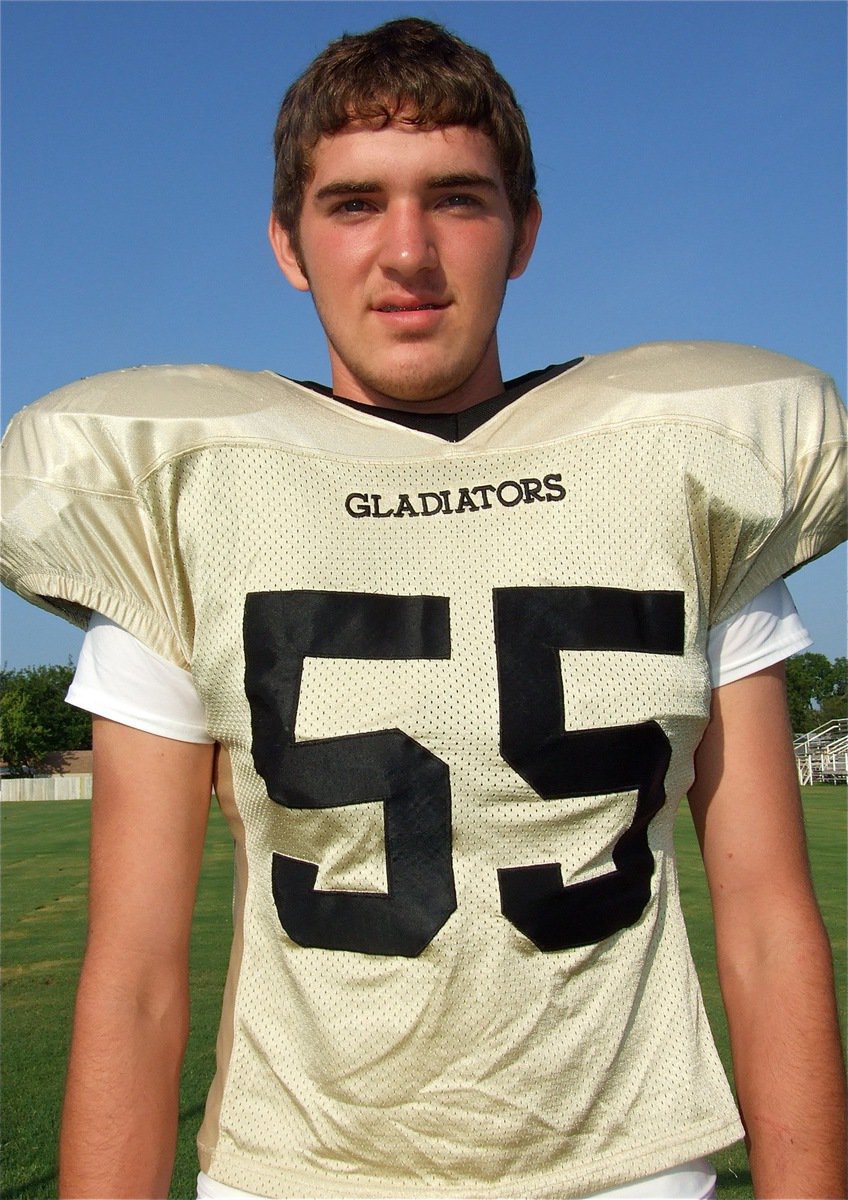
(532, 625)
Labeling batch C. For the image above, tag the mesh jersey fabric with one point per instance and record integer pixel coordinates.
(693, 1181)
(459, 688)
(119, 678)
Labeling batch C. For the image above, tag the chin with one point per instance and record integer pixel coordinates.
(415, 386)
(408, 394)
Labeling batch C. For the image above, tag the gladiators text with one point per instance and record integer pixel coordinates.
(506, 494)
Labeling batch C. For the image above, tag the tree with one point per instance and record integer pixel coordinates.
(34, 718)
(817, 690)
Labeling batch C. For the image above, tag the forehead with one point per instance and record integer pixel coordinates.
(400, 151)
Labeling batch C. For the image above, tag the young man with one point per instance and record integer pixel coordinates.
(450, 645)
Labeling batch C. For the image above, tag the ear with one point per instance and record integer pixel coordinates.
(284, 252)
(526, 239)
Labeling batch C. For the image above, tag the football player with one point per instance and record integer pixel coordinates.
(451, 651)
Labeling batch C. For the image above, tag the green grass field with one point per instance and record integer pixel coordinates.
(44, 849)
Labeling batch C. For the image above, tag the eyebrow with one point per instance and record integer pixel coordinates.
(463, 179)
(361, 187)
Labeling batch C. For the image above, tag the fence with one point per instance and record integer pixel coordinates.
(47, 787)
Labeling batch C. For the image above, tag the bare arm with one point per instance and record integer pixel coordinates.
(149, 814)
(774, 959)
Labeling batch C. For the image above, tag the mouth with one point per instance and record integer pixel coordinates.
(393, 308)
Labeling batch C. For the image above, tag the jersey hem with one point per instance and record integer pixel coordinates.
(246, 1175)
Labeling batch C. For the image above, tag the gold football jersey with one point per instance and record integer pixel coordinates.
(458, 687)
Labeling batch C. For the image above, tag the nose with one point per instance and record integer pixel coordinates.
(407, 241)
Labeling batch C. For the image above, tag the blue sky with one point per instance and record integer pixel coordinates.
(691, 169)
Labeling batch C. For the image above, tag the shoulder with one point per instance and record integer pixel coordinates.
(158, 392)
(118, 424)
(695, 366)
(776, 404)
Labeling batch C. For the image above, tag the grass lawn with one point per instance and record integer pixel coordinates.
(44, 848)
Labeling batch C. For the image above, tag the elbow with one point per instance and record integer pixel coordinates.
(148, 998)
(784, 950)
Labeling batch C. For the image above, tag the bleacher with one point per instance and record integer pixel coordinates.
(822, 754)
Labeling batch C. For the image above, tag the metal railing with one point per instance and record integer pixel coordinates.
(822, 754)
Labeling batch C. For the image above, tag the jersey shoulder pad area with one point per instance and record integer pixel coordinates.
(109, 430)
(694, 366)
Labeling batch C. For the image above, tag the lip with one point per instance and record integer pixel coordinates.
(403, 313)
(394, 305)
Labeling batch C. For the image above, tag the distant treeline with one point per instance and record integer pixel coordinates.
(35, 720)
(817, 690)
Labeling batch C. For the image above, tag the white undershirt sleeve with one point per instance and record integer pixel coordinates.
(764, 632)
(119, 678)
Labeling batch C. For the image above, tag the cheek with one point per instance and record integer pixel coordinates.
(487, 286)
(485, 266)
(333, 262)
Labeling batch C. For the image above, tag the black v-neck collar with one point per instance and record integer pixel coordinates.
(453, 427)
